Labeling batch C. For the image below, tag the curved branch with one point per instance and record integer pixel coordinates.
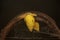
(7, 28)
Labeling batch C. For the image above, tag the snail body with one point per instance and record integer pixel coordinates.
(31, 23)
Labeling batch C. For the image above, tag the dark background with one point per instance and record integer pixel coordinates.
(11, 8)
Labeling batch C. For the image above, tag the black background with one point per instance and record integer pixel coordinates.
(11, 8)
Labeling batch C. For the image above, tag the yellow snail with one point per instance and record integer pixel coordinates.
(31, 23)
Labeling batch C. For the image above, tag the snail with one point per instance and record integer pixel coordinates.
(31, 23)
